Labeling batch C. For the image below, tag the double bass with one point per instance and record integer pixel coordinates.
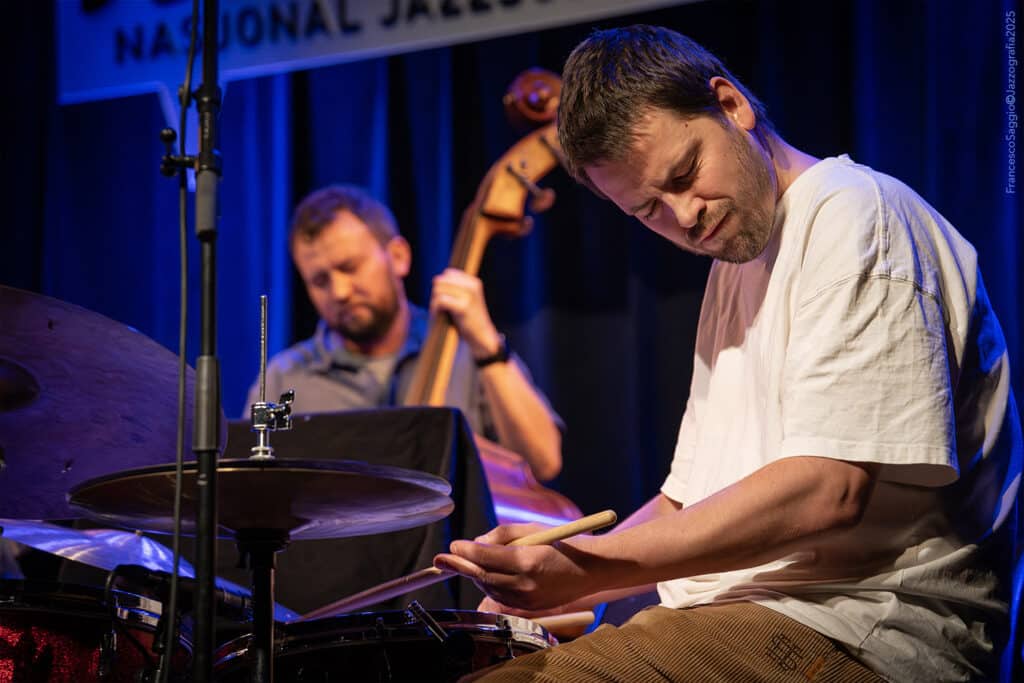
(499, 208)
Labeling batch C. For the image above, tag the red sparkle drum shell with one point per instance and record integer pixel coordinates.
(388, 646)
(64, 633)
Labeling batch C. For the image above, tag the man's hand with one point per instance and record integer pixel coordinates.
(461, 296)
(535, 577)
(522, 421)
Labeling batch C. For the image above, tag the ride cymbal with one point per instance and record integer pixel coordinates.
(80, 396)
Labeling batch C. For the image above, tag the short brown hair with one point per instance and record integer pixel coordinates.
(615, 76)
(319, 208)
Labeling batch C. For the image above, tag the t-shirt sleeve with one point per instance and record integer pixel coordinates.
(686, 443)
(867, 379)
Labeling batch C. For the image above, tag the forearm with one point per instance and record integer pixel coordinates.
(767, 515)
(779, 509)
(658, 506)
(521, 419)
(594, 599)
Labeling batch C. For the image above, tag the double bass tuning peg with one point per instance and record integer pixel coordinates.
(541, 198)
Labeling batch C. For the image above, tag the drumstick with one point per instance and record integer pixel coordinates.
(431, 575)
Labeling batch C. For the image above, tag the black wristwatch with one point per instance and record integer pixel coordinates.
(501, 356)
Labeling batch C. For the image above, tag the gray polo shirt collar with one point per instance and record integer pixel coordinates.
(329, 351)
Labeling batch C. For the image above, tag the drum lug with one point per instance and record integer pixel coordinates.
(430, 623)
(505, 629)
(108, 650)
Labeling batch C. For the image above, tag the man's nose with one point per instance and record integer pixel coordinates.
(341, 286)
(687, 209)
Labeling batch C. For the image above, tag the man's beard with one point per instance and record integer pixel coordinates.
(755, 222)
(382, 317)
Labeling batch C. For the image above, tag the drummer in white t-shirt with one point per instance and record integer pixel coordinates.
(850, 447)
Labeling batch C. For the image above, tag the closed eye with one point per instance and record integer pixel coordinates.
(685, 180)
(651, 210)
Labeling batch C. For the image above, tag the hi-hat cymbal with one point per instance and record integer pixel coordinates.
(305, 499)
(80, 396)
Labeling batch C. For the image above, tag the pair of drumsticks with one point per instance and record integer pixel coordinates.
(431, 575)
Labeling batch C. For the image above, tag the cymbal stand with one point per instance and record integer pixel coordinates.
(268, 417)
(259, 546)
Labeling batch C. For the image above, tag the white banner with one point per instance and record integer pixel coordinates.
(112, 48)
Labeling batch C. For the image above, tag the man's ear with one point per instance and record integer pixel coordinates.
(400, 254)
(734, 104)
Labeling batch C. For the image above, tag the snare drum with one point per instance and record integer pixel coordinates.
(64, 633)
(388, 646)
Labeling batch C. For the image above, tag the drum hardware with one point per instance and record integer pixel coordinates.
(390, 646)
(159, 648)
(65, 633)
(423, 616)
(207, 436)
(234, 604)
(268, 417)
(459, 647)
(108, 645)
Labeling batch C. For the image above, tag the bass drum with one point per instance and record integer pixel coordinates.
(389, 646)
(64, 633)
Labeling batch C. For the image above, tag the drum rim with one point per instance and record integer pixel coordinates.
(486, 625)
(83, 600)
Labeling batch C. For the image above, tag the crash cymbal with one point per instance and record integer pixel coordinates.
(305, 499)
(80, 396)
(107, 548)
(100, 548)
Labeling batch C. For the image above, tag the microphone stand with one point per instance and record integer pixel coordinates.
(205, 443)
(206, 430)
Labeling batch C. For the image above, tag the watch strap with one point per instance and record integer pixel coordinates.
(500, 356)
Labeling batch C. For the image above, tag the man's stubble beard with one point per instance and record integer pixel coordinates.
(382, 317)
(756, 223)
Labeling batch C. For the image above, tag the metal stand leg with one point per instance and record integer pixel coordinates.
(260, 546)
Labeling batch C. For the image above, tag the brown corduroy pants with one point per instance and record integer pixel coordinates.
(731, 643)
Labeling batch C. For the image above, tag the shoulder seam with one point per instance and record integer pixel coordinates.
(866, 277)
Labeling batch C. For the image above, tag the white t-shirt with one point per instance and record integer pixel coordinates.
(862, 333)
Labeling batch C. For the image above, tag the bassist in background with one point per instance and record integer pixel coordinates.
(352, 259)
